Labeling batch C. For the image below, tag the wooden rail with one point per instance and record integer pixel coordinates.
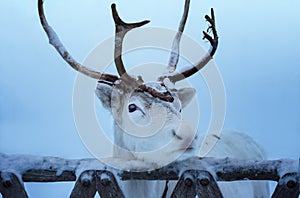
(194, 176)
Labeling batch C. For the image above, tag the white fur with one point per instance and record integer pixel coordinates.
(155, 133)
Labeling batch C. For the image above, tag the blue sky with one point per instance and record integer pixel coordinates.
(258, 58)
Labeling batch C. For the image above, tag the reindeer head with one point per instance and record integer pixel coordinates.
(137, 103)
(140, 106)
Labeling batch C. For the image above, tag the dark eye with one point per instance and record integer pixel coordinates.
(132, 108)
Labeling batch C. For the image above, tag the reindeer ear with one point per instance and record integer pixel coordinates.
(185, 95)
(103, 92)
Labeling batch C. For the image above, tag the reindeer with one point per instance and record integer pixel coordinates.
(136, 103)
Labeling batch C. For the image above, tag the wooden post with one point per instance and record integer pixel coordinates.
(107, 185)
(207, 186)
(197, 182)
(85, 185)
(91, 181)
(185, 186)
(288, 186)
(11, 186)
(190, 183)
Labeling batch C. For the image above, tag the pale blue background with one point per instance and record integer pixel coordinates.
(258, 57)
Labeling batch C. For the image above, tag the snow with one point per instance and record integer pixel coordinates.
(88, 164)
(288, 166)
(299, 168)
(87, 176)
(168, 83)
(104, 176)
(129, 165)
(19, 164)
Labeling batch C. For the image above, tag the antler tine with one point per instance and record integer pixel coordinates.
(174, 56)
(57, 44)
(207, 57)
(121, 29)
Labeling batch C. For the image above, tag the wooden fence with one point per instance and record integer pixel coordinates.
(194, 176)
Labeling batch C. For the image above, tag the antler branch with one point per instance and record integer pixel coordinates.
(121, 29)
(57, 44)
(174, 56)
(207, 57)
(165, 96)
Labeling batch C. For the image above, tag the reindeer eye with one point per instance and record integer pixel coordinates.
(132, 108)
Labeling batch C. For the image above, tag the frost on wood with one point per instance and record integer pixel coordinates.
(94, 176)
(11, 186)
(49, 169)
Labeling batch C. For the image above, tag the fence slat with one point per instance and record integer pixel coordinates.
(107, 185)
(197, 182)
(48, 176)
(207, 186)
(11, 187)
(288, 186)
(185, 186)
(85, 186)
(192, 182)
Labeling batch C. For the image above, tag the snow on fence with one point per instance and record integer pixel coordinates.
(195, 176)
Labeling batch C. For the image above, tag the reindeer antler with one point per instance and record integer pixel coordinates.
(174, 56)
(121, 29)
(207, 57)
(57, 44)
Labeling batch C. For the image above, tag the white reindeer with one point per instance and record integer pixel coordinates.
(135, 104)
(230, 144)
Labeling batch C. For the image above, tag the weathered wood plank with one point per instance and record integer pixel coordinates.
(51, 169)
(226, 169)
(288, 186)
(196, 182)
(11, 186)
(207, 186)
(107, 185)
(85, 186)
(186, 185)
(48, 176)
